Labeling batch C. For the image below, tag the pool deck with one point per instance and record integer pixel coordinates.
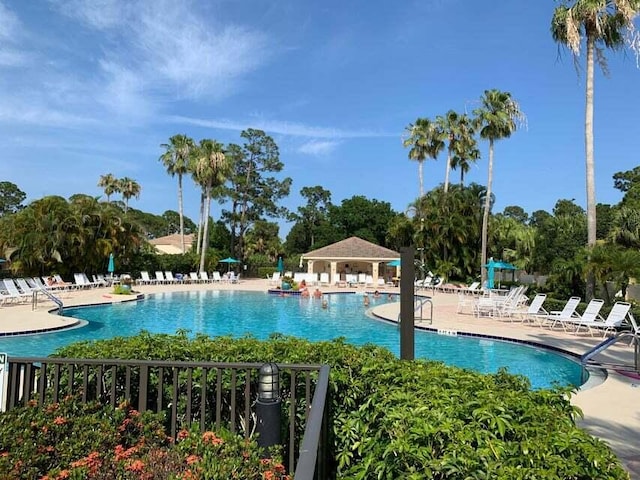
(611, 408)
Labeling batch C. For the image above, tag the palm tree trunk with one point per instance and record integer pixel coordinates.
(485, 217)
(205, 235)
(446, 172)
(590, 166)
(420, 178)
(180, 211)
(202, 196)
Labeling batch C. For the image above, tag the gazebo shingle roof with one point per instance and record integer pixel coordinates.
(352, 248)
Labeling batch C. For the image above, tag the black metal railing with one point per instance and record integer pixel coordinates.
(215, 395)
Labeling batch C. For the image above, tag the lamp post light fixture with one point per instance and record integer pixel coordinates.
(268, 411)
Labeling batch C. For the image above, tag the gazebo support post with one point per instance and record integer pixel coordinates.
(407, 345)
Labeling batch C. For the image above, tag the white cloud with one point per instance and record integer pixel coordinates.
(172, 48)
(318, 147)
(11, 58)
(98, 14)
(9, 24)
(34, 114)
(123, 92)
(10, 33)
(278, 127)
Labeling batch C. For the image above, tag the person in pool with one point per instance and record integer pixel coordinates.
(317, 293)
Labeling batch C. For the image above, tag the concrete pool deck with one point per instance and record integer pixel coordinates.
(611, 408)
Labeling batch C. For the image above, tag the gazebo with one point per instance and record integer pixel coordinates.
(352, 255)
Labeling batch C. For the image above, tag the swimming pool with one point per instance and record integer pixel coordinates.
(240, 313)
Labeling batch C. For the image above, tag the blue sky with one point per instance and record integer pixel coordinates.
(89, 87)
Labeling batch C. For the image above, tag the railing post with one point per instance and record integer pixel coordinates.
(268, 409)
(407, 313)
(143, 390)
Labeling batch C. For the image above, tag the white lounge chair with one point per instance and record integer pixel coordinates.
(193, 277)
(503, 305)
(169, 278)
(568, 311)
(589, 317)
(217, 278)
(274, 280)
(535, 308)
(160, 277)
(24, 286)
(80, 282)
(5, 297)
(514, 301)
(145, 279)
(13, 291)
(463, 302)
(473, 289)
(324, 279)
(618, 314)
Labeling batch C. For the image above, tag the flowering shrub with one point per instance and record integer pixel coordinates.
(71, 440)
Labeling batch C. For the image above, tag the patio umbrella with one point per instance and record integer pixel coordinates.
(394, 263)
(229, 261)
(112, 265)
(280, 265)
(492, 266)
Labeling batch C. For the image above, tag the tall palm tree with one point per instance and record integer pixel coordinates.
(465, 152)
(109, 184)
(497, 118)
(210, 168)
(458, 131)
(176, 161)
(424, 140)
(600, 23)
(129, 188)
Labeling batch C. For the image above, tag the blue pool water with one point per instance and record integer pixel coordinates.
(239, 313)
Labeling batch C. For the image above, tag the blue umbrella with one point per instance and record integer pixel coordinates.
(112, 264)
(492, 266)
(280, 265)
(394, 263)
(229, 261)
(490, 273)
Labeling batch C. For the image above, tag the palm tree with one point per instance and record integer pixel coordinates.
(497, 118)
(459, 132)
(176, 161)
(210, 169)
(129, 188)
(601, 23)
(424, 140)
(109, 184)
(465, 152)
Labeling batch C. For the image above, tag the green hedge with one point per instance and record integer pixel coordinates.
(397, 419)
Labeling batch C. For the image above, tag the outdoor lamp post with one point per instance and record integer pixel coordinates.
(268, 406)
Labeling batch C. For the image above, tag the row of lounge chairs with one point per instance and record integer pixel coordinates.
(513, 306)
(590, 320)
(16, 290)
(323, 279)
(167, 277)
